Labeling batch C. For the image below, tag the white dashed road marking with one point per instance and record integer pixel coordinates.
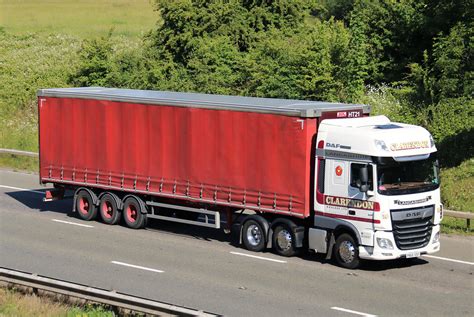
(258, 257)
(137, 267)
(353, 312)
(22, 189)
(448, 259)
(72, 223)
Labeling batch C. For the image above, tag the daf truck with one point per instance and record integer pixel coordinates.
(283, 174)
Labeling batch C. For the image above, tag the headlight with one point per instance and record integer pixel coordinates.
(385, 243)
(380, 145)
(436, 237)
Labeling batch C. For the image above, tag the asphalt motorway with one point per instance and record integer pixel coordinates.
(198, 267)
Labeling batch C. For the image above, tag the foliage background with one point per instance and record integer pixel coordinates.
(411, 60)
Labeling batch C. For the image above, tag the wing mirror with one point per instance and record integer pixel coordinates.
(364, 179)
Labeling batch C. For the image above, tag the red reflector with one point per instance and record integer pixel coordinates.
(321, 144)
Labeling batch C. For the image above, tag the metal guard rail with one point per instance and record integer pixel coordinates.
(18, 152)
(101, 296)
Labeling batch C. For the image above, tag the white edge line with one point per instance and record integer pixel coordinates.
(137, 267)
(258, 257)
(448, 259)
(72, 223)
(23, 189)
(353, 312)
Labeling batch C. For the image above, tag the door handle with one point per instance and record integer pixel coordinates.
(352, 212)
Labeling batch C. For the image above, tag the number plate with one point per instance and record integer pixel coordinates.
(413, 254)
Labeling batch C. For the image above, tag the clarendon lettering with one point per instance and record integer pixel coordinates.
(350, 203)
(409, 145)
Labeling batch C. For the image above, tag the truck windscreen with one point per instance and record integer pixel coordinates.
(400, 178)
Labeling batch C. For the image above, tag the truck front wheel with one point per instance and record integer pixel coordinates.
(253, 236)
(134, 212)
(346, 251)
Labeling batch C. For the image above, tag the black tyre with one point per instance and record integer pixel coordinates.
(253, 236)
(346, 251)
(108, 209)
(134, 212)
(284, 240)
(85, 207)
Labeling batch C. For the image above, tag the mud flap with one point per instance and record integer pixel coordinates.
(236, 234)
(332, 242)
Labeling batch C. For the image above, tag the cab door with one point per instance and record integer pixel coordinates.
(336, 188)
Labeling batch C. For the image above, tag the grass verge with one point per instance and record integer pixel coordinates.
(13, 303)
(83, 18)
(19, 163)
(457, 186)
(456, 226)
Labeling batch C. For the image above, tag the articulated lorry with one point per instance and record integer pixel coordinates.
(282, 174)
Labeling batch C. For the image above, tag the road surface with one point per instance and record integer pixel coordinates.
(198, 267)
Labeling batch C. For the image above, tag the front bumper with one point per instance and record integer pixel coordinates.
(377, 253)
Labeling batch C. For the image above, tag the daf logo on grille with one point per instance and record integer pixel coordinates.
(413, 214)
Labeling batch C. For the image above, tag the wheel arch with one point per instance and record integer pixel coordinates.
(299, 234)
(95, 199)
(144, 209)
(117, 199)
(349, 229)
(261, 220)
(337, 226)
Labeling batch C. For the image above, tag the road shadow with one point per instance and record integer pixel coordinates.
(34, 201)
(185, 230)
(376, 266)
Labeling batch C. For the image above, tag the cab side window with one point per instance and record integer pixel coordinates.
(355, 175)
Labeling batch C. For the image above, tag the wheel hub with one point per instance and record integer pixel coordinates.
(347, 251)
(284, 240)
(132, 213)
(254, 235)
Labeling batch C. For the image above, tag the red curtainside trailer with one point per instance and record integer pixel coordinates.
(136, 154)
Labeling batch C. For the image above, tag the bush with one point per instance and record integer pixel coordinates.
(28, 63)
(452, 126)
(457, 186)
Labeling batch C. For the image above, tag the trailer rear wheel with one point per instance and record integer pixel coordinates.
(284, 240)
(253, 236)
(86, 209)
(346, 251)
(134, 212)
(108, 209)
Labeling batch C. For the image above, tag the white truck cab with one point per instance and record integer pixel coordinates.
(377, 191)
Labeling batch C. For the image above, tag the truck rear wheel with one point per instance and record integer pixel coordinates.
(253, 236)
(284, 240)
(86, 209)
(134, 212)
(346, 251)
(108, 209)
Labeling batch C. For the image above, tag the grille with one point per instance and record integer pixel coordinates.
(413, 233)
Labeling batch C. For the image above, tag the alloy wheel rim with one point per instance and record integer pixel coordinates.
(284, 240)
(254, 235)
(347, 251)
